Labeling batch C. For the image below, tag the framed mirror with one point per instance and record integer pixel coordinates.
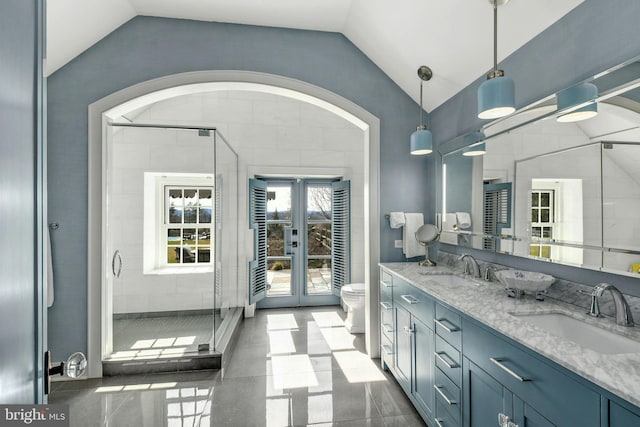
(556, 181)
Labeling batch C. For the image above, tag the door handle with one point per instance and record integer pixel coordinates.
(116, 255)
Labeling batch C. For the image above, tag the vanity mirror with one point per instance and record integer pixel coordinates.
(549, 187)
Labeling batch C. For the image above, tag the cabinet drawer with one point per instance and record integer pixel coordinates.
(447, 396)
(418, 303)
(448, 360)
(448, 325)
(563, 400)
(444, 418)
(386, 318)
(386, 279)
(386, 350)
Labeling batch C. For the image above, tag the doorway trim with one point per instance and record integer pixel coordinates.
(96, 186)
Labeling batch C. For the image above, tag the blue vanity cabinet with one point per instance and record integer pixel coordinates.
(621, 417)
(414, 345)
(542, 395)
(387, 323)
(485, 398)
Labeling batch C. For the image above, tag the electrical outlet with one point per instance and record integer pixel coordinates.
(397, 244)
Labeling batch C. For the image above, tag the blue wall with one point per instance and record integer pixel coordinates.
(146, 48)
(593, 37)
(21, 352)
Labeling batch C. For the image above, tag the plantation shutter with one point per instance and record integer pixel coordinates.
(497, 212)
(258, 223)
(340, 235)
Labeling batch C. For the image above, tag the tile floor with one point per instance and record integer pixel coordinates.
(293, 367)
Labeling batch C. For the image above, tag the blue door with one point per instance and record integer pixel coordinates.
(302, 247)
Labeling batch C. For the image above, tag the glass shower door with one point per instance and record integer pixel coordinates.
(158, 256)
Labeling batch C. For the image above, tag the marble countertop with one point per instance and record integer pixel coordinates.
(488, 303)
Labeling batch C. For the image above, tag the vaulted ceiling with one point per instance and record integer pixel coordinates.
(453, 37)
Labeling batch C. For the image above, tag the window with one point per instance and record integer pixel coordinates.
(542, 222)
(187, 226)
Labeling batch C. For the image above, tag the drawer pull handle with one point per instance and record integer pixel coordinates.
(507, 370)
(444, 396)
(441, 355)
(386, 305)
(439, 422)
(387, 328)
(387, 350)
(408, 330)
(386, 284)
(410, 299)
(452, 328)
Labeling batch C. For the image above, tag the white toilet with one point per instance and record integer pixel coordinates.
(353, 297)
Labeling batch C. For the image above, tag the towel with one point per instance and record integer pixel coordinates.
(450, 222)
(49, 271)
(396, 219)
(464, 220)
(410, 246)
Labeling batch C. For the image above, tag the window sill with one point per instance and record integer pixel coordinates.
(201, 269)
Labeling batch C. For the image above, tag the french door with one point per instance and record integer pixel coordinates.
(301, 241)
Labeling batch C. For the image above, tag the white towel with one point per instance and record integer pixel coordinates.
(49, 272)
(396, 219)
(450, 222)
(410, 246)
(464, 220)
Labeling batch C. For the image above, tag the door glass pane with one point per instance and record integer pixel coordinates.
(319, 202)
(319, 239)
(275, 238)
(318, 276)
(278, 277)
(278, 202)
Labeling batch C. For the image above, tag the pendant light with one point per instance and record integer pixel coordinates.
(574, 96)
(421, 139)
(477, 149)
(496, 96)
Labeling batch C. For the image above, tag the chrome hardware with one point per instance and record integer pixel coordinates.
(472, 261)
(73, 367)
(487, 273)
(387, 350)
(386, 285)
(386, 305)
(444, 396)
(387, 328)
(503, 420)
(512, 424)
(514, 293)
(507, 370)
(116, 255)
(438, 422)
(410, 299)
(440, 357)
(623, 311)
(440, 322)
(408, 330)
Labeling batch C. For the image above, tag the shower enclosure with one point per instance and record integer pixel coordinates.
(170, 252)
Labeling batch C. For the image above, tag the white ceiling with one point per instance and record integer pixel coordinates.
(453, 37)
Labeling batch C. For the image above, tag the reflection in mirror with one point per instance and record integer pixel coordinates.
(552, 190)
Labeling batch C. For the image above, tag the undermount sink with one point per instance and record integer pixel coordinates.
(585, 334)
(528, 281)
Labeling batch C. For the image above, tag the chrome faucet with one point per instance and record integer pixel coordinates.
(470, 260)
(623, 312)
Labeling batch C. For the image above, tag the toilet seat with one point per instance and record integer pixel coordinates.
(353, 289)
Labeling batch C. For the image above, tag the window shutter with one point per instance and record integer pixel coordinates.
(340, 237)
(258, 223)
(497, 212)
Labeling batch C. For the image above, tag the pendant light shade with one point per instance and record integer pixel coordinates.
(421, 139)
(477, 149)
(576, 95)
(496, 96)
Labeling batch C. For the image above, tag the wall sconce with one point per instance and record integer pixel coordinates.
(575, 96)
(496, 96)
(422, 139)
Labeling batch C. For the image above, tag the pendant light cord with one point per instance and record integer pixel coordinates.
(421, 122)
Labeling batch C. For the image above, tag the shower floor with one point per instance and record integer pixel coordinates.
(144, 338)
